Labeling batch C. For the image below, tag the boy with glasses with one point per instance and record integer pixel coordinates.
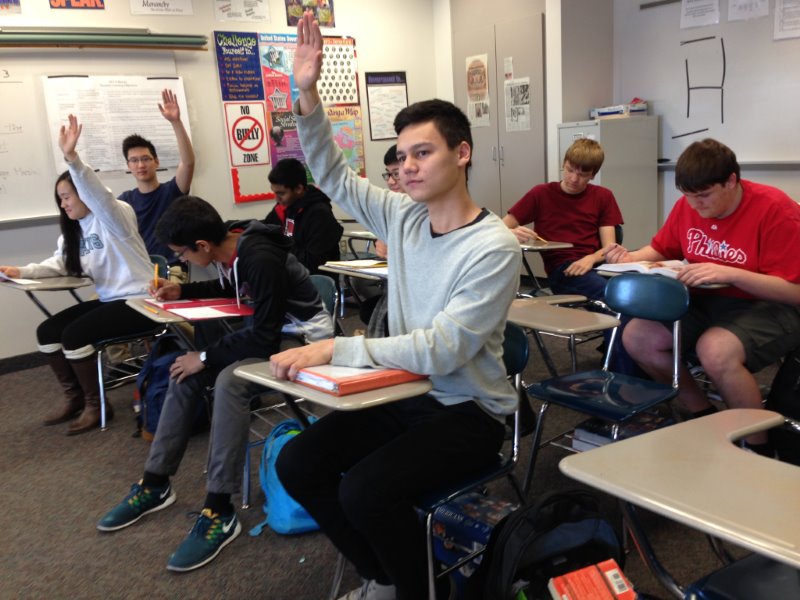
(150, 198)
(575, 211)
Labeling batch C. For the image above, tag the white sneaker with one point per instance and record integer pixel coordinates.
(371, 590)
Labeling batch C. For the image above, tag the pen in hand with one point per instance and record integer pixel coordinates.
(155, 278)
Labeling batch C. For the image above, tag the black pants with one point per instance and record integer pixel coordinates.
(89, 322)
(360, 473)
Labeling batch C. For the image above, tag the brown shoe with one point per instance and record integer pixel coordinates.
(66, 412)
(86, 372)
(89, 419)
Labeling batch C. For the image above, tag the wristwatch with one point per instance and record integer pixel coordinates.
(203, 357)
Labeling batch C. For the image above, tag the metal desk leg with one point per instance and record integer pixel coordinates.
(646, 551)
(35, 300)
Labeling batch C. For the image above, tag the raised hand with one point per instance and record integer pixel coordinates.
(169, 106)
(68, 137)
(308, 55)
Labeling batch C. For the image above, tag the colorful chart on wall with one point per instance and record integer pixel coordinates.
(257, 87)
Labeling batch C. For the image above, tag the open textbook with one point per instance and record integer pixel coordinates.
(668, 268)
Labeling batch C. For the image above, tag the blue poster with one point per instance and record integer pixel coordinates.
(238, 66)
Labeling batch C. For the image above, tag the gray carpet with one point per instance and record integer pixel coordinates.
(55, 488)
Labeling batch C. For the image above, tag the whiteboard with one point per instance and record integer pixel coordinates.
(27, 166)
(746, 89)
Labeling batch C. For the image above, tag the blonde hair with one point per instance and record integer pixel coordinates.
(586, 155)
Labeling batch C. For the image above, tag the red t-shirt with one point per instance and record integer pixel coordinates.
(762, 235)
(573, 218)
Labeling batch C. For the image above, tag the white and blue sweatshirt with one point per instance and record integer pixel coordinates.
(112, 251)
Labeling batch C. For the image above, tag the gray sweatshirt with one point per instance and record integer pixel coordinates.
(448, 295)
(112, 251)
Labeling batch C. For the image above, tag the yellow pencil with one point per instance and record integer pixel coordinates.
(150, 309)
(155, 276)
(540, 238)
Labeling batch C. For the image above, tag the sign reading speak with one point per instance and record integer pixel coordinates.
(246, 127)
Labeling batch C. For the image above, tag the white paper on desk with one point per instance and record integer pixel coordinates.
(357, 264)
(200, 312)
(5, 277)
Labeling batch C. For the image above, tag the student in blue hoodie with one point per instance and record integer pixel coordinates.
(254, 264)
(304, 214)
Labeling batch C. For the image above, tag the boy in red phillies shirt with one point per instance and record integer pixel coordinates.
(743, 236)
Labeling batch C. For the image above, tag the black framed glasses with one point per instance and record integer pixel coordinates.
(391, 175)
(140, 159)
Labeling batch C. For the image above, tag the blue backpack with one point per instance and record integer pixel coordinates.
(284, 514)
(152, 383)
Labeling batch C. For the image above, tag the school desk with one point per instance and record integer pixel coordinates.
(539, 246)
(49, 284)
(365, 236)
(261, 373)
(693, 473)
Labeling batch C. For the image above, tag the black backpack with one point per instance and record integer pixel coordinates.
(784, 397)
(559, 533)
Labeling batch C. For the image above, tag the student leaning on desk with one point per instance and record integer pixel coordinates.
(253, 260)
(452, 276)
(100, 239)
(745, 236)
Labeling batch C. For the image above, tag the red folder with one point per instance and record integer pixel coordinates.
(341, 381)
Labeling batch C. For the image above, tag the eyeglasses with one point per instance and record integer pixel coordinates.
(179, 255)
(140, 159)
(391, 175)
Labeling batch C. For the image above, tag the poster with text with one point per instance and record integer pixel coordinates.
(162, 7)
(238, 66)
(241, 10)
(387, 95)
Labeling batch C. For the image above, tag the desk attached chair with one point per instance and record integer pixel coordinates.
(601, 393)
(515, 357)
(111, 376)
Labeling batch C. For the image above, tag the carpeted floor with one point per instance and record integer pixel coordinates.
(55, 488)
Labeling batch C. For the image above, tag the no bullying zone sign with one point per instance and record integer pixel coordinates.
(246, 125)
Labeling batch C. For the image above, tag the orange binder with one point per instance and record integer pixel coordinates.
(341, 381)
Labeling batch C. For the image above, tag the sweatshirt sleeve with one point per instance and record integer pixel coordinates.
(369, 204)
(50, 267)
(99, 199)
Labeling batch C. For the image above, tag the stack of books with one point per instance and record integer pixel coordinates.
(594, 433)
(341, 381)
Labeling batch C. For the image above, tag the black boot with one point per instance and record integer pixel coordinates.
(86, 372)
(72, 403)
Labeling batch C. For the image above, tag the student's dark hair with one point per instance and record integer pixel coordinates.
(189, 219)
(449, 120)
(71, 230)
(704, 164)
(137, 141)
(391, 156)
(289, 172)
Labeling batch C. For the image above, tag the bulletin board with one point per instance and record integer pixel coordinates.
(258, 91)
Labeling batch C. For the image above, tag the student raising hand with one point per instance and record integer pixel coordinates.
(308, 61)
(68, 137)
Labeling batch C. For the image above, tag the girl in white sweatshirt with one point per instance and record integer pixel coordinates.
(99, 239)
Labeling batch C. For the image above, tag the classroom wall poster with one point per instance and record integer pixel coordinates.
(162, 7)
(787, 19)
(518, 104)
(78, 4)
(478, 104)
(322, 9)
(255, 68)
(387, 95)
(241, 10)
(10, 7)
(246, 125)
(240, 84)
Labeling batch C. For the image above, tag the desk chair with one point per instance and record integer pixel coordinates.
(515, 357)
(601, 393)
(112, 376)
(289, 408)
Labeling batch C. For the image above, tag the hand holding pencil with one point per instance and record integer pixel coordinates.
(525, 235)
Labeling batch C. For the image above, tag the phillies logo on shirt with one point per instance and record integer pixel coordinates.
(288, 228)
(702, 246)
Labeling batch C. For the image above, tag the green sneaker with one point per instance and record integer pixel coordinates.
(210, 534)
(138, 503)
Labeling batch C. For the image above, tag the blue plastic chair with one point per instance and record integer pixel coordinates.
(610, 396)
